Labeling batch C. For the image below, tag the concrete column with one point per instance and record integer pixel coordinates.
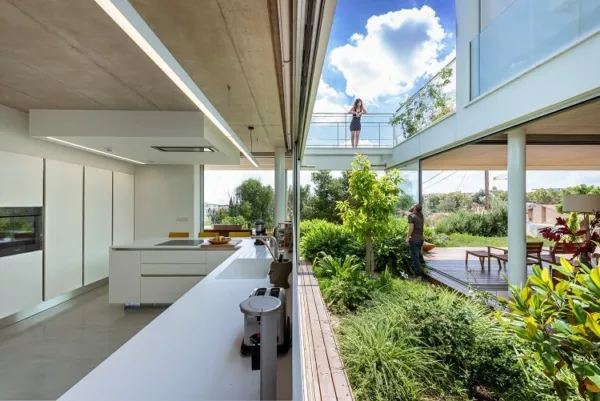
(280, 189)
(286, 199)
(517, 174)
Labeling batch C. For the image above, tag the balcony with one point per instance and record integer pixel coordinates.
(526, 34)
(332, 130)
(430, 104)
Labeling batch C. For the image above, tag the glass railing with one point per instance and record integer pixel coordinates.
(525, 34)
(434, 101)
(332, 130)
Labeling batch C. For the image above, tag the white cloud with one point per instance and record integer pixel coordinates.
(399, 48)
(330, 100)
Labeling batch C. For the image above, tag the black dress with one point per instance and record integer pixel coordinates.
(355, 123)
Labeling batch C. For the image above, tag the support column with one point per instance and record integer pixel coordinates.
(279, 186)
(286, 196)
(517, 174)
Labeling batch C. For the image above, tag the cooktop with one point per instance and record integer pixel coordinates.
(182, 242)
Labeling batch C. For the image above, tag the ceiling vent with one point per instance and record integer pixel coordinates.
(184, 149)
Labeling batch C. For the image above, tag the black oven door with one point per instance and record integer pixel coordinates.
(20, 230)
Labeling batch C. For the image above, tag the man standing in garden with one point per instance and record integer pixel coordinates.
(414, 237)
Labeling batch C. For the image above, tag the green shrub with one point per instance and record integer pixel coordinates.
(468, 356)
(489, 224)
(384, 362)
(307, 226)
(330, 238)
(344, 282)
(236, 220)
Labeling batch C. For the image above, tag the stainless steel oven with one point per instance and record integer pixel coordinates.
(20, 230)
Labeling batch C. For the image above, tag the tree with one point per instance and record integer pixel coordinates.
(327, 192)
(543, 196)
(253, 201)
(479, 197)
(305, 202)
(369, 211)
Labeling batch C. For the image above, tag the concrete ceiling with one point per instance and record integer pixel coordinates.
(566, 140)
(69, 54)
(580, 120)
(494, 157)
(228, 49)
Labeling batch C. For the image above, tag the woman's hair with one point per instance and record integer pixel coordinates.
(417, 208)
(355, 105)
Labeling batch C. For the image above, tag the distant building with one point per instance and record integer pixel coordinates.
(542, 214)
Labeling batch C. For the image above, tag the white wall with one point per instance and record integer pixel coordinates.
(165, 199)
(123, 204)
(568, 78)
(63, 228)
(97, 226)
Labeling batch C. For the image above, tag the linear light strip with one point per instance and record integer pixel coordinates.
(93, 150)
(137, 29)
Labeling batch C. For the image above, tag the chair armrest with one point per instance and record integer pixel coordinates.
(505, 251)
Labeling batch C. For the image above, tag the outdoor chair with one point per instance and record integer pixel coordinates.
(558, 250)
(534, 254)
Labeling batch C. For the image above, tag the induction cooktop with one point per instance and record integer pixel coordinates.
(182, 242)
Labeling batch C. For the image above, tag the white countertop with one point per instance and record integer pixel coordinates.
(189, 352)
(151, 244)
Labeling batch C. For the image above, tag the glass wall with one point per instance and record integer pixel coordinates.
(526, 33)
(410, 186)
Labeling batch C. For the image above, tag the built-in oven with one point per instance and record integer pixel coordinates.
(20, 230)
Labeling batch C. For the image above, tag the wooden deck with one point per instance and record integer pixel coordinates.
(447, 265)
(324, 376)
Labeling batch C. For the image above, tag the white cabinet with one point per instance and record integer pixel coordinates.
(159, 276)
(124, 277)
(173, 257)
(166, 290)
(63, 238)
(174, 269)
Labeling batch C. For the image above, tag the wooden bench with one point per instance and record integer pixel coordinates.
(534, 254)
(481, 255)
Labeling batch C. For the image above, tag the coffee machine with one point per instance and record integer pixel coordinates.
(260, 229)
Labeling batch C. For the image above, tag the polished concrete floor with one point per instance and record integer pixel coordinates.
(43, 356)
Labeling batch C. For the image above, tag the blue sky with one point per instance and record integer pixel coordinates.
(384, 50)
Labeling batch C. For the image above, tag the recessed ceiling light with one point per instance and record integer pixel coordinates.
(93, 150)
(183, 149)
(124, 15)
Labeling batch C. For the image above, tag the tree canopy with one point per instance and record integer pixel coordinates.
(369, 211)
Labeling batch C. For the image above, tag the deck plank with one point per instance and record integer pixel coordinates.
(311, 382)
(323, 363)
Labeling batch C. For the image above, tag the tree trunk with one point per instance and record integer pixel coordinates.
(370, 257)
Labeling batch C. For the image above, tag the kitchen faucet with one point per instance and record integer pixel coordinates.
(271, 244)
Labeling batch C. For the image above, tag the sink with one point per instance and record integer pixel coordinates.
(246, 269)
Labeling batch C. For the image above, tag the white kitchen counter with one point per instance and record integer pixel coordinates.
(189, 352)
(151, 244)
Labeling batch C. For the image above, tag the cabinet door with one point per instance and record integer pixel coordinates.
(166, 290)
(124, 277)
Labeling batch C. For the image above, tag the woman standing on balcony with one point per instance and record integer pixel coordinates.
(357, 111)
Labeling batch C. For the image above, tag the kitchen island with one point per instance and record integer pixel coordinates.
(160, 270)
(192, 350)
